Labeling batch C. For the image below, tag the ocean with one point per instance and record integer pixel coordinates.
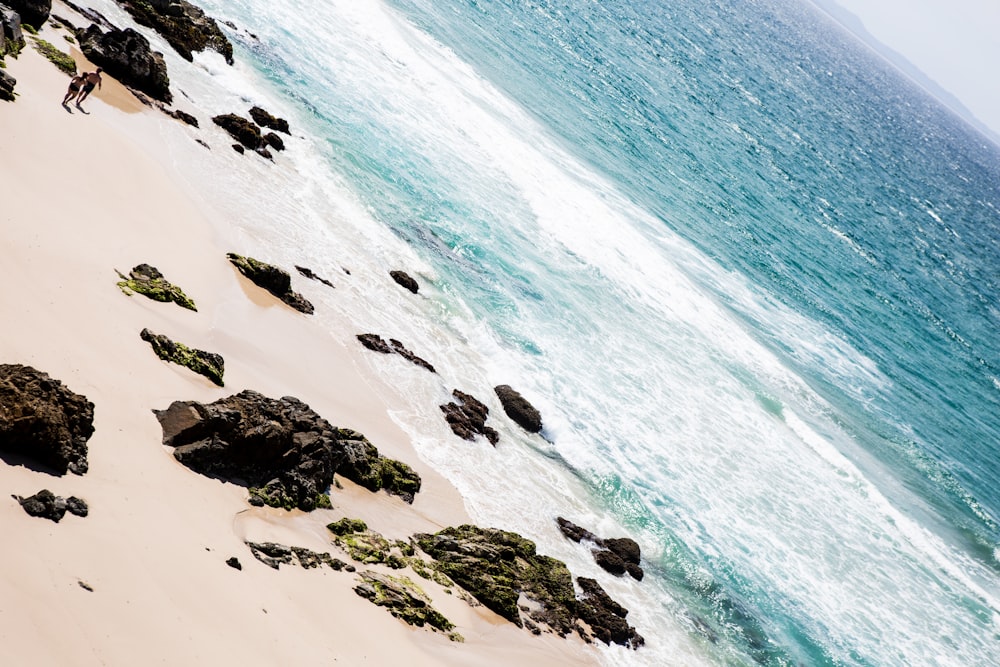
(745, 269)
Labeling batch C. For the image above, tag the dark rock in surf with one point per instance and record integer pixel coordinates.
(127, 56)
(616, 555)
(43, 420)
(184, 26)
(183, 116)
(467, 418)
(376, 343)
(240, 129)
(574, 532)
(308, 273)
(519, 409)
(605, 617)
(265, 119)
(273, 140)
(405, 280)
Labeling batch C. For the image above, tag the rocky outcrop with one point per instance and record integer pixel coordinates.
(185, 27)
(149, 282)
(467, 418)
(32, 12)
(405, 280)
(209, 364)
(281, 449)
(275, 555)
(404, 600)
(11, 35)
(363, 465)
(42, 420)
(604, 616)
(616, 555)
(240, 129)
(265, 119)
(519, 409)
(7, 83)
(126, 55)
(274, 280)
(368, 547)
(48, 505)
(308, 273)
(376, 343)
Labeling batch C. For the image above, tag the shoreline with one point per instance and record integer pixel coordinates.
(91, 199)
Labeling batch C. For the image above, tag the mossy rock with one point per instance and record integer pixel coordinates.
(369, 547)
(404, 600)
(364, 465)
(275, 496)
(149, 282)
(61, 60)
(275, 280)
(209, 364)
(346, 526)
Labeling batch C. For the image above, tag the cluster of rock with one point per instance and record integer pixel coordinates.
(616, 555)
(404, 600)
(280, 449)
(275, 280)
(376, 343)
(32, 12)
(209, 364)
(43, 421)
(185, 27)
(126, 55)
(249, 134)
(48, 505)
(11, 42)
(467, 417)
(149, 282)
(275, 555)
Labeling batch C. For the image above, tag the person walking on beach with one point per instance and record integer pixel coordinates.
(74, 87)
(91, 79)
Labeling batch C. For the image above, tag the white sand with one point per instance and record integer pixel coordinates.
(80, 199)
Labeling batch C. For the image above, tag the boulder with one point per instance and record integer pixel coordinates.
(32, 12)
(265, 119)
(363, 465)
(616, 555)
(273, 140)
(48, 505)
(240, 129)
(149, 282)
(519, 409)
(209, 364)
(43, 420)
(280, 449)
(575, 532)
(11, 35)
(467, 418)
(127, 56)
(184, 26)
(605, 617)
(7, 83)
(405, 280)
(274, 280)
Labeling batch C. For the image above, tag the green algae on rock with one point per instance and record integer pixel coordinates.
(184, 26)
(368, 547)
(149, 282)
(61, 60)
(404, 600)
(209, 364)
(364, 465)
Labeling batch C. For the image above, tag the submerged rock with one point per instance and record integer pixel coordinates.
(616, 555)
(127, 56)
(47, 505)
(43, 420)
(467, 418)
(376, 343)
(149, 282)
(240, 129)
(405, 280)
(209, 364)
(265, 119)
(274, 280)
(519, 409)
(184, 26)
(308, 273)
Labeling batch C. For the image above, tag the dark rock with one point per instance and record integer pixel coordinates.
(403, 600)
(271, 554)
(275, 555)
(7, 83)
(635, 571)
(185, 27)
(308, 273)
(405, 280)
(274, 280)
(282, 450)
(90, 14)
(376, 343)
(43, 420)
(149, 282)
(11, 35)
(184, 117)
(209, 364)
(468, 418)
(85, 586)
(364, 465)
(605, 617)
(234, 563)
(575, 532)
(126, 55)
(519, 409)
(239, 149)
(44, 504)
(240, 129)
(265, 119)
(497, 567)
(264, 153)
(625, 547)
(274, 141)
(32, 12)
(610, 561)
(77, 506)
(369, 547)
(346, 526)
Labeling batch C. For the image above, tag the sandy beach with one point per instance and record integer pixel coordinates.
(82, 198)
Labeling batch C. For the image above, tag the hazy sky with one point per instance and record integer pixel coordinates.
(956, 43)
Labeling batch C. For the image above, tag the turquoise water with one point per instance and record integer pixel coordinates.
(747, 272)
